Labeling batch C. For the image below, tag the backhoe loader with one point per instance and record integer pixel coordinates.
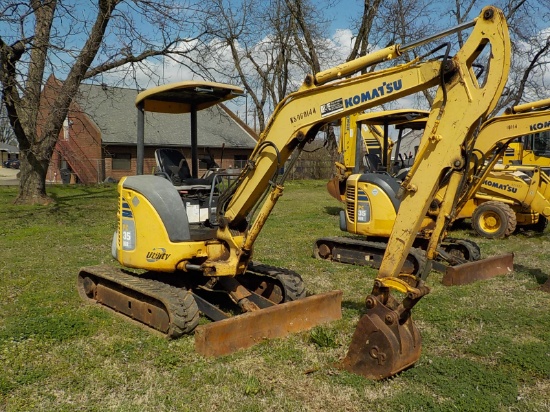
(512, 194)
(185, 269)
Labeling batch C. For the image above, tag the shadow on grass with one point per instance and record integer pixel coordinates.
(67, 199)
(68, 202)
(83, 192)
(537, 274)
(358, 307)
(461, 224)
(332, 210)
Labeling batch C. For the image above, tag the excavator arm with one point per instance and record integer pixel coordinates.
(295, 122)
(386, 340)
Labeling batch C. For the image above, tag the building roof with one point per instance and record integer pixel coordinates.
(8, 148)
(113, 111)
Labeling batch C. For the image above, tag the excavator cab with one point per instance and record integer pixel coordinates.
(199, 194)
(366, 136)
(402, 120)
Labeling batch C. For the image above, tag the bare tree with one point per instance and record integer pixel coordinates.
(404, 21)
(6, 132)
(45, 37)
(363, 41)
(259, 45)
(530, 46)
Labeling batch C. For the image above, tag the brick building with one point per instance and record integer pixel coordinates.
(98, 139)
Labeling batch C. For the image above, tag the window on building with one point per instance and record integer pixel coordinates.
(240, 161)
(122, 161)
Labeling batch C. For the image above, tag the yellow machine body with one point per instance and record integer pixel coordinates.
(521, 191)
(369, 208)
(143, 239)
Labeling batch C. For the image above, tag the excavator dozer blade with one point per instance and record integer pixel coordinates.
(240, 332)
(470, 272)
(381, 345)
(335, 190)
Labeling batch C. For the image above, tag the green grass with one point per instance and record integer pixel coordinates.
(486, 346)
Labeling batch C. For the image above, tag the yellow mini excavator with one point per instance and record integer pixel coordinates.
(173, 270)
(371, 215)
(510, 195)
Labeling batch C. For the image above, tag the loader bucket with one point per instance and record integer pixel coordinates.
(240, 332)
(470, 272)
(381, 345)
(335, 189)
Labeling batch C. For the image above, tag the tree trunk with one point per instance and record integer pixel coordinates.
(32, 182)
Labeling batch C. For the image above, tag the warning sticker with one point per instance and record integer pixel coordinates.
(332, 107)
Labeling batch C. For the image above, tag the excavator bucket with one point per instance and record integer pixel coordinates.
(382, 345)
(335, 189)
(470, 272)
(240, 332)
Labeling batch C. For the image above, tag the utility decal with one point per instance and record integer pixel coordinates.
(157, 254)
(500, 186)
(384, 89)
(539, 126)
(303, 115)
(329, 108)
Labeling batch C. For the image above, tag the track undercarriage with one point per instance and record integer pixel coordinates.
(358, 251)
(171, 303)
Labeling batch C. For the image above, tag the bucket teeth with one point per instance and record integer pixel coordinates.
(382, 345)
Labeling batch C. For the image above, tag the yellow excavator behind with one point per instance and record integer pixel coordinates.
(363, 145)
(173, 269)
(510, 196)
(372, 212)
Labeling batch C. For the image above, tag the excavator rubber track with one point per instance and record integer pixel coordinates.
(362, 253)
(370, 253)
(162, 302)
(166, 308)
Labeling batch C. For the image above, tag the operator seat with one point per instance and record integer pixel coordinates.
(172, 165)
(372, 162)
